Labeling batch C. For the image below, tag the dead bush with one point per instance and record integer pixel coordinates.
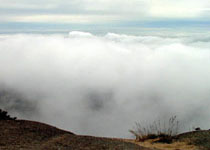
(163, 131)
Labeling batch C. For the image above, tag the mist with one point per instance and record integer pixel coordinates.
(102, 85)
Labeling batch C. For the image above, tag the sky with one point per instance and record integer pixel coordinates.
(36, 14)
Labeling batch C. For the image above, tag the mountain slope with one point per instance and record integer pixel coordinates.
(24, 135)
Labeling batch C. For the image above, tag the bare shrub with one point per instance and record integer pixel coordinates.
(162, 130)
(5, 116)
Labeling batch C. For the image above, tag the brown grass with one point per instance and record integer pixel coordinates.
(162, 146)
(165, 131)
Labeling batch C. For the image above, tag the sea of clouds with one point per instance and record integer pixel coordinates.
(102, 85)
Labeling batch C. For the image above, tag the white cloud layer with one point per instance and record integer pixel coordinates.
(124, 9)
(102, 85)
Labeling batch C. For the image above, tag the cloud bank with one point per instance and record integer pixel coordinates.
(102, 85)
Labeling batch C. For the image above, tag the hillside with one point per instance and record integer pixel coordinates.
(24, 135)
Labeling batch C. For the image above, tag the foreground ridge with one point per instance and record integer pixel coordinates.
(24, 134)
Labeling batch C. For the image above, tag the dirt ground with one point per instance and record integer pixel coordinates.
(24, 135)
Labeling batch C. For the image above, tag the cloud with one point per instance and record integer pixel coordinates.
(126, 10)
(57, 18)
(102, 85)
(177, 9)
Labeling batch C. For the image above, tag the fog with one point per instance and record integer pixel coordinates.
(102, 85)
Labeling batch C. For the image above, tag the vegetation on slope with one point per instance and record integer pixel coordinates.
(4, 116)
(165, 132)
(24, 135)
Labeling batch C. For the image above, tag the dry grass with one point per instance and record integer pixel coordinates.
(173, 146)
(165, 131)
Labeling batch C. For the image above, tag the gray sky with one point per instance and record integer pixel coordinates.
(101, 11)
